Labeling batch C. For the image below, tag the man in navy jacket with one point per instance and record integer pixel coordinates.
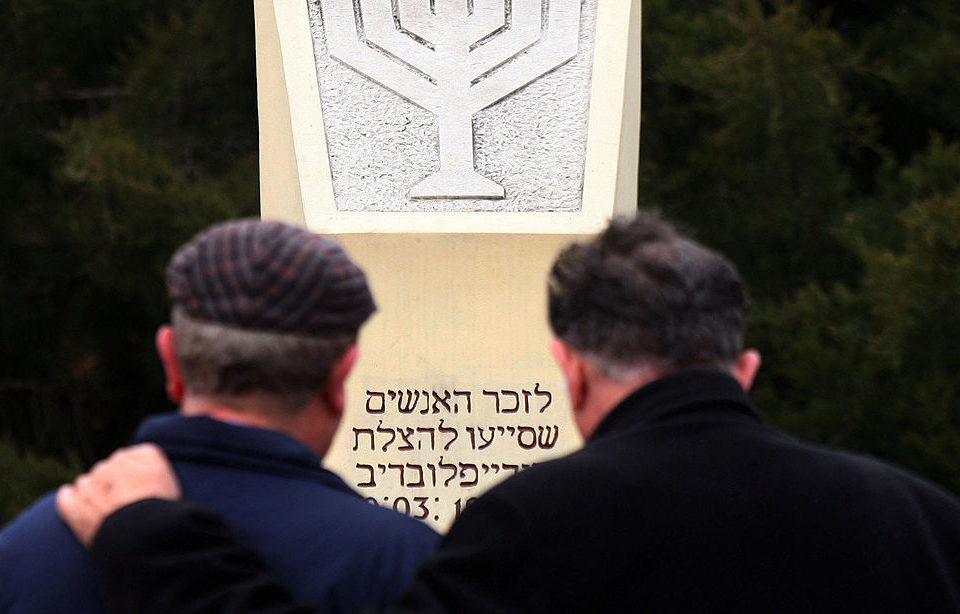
(265, 322)
(681, 500)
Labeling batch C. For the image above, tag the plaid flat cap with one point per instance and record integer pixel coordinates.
(269, 276)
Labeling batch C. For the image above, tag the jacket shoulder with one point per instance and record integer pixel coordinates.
(38, 546)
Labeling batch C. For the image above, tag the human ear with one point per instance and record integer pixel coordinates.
(166, 349)
(745, 371)
(572, 368)
(333, 392)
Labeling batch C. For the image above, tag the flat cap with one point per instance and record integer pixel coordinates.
(269, 276)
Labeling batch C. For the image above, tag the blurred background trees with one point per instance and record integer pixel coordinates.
(125, 127)
(815, 142)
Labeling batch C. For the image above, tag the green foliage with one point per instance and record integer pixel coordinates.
(874, 366)
(748, 118)
(203, 114)
(911, 74)
(69, 43)
(108, 177)
(26, 477)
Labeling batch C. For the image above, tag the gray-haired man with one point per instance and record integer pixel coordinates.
(265, 323)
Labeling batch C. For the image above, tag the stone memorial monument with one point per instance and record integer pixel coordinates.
(453, 147)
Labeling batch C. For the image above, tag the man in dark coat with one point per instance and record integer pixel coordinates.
(265, 322)
(681, 500)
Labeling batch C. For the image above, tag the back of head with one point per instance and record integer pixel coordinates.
(642, 295)
(263, 308)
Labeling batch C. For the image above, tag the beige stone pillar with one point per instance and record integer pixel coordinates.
(455, 389)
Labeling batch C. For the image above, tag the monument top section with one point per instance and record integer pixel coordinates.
(452, 60)
(493, 116)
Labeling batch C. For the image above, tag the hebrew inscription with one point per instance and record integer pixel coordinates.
(427, 452)
(453, 58)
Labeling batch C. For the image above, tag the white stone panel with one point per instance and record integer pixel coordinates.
(529, 146)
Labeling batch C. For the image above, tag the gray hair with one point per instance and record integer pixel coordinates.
(642, 295)
(217, 359)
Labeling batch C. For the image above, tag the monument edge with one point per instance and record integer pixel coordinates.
(280, 197)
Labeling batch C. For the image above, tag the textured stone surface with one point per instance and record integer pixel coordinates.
(532, 143)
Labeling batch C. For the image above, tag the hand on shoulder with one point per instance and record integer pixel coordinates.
(129, 475)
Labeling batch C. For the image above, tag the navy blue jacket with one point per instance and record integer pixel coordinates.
(331, 547)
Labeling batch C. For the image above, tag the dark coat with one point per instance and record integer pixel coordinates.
(330, 546)
(682, 501)
(685, 501)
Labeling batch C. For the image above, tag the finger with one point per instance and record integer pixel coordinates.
(125, 455)
(127, 459)
(71, 507)
(100, 480)
(93, 484)
(66, 500)
(84, 483)
(151, 454)
(101, 467)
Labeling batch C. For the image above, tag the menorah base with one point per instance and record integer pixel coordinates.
(449, 184)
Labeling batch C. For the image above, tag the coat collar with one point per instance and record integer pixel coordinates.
(690, 394)
(203, 440)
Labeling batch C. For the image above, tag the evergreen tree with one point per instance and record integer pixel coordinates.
(874, 366)
(744, 124)
(103, 193)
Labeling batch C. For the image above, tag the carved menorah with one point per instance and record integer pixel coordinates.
(453, 58)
